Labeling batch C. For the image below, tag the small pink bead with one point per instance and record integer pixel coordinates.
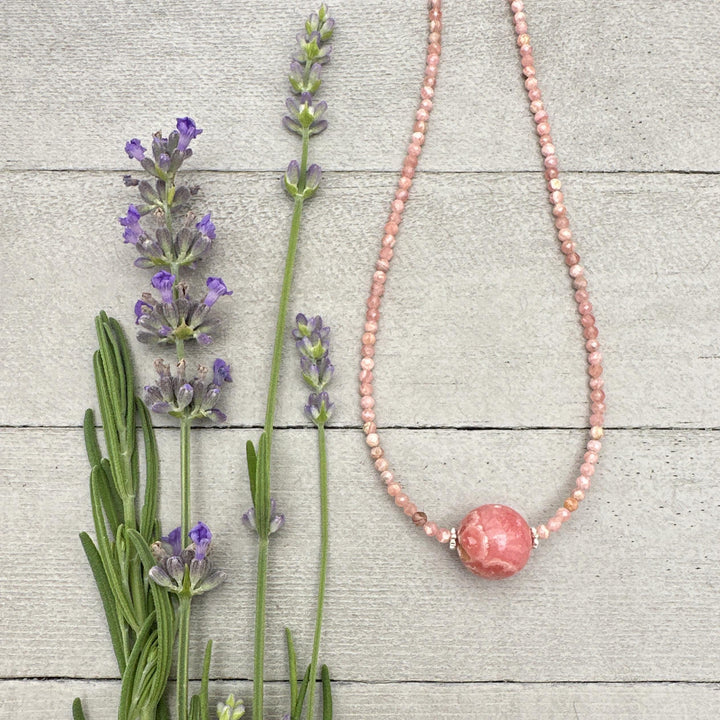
(365, 376)
(554, 184)
(543, 129)
(521, 28)
(587, 470)
(394, 489)
(367, 363)
(597, 420)
(430, 72)
(388, 241)
(540, 117)
(391, 228)
(426, 105)
(591, 346)
(517, 6)
(583, 482)
(558, 210)
(578, 495)
(595, 358)
(443, 535)
(373, 303)
(387, 477)
(572, 259)
(531, 83)
(418, 138)
(563, 514)
(576, 271)
(381, 465)
(597, 396)
(378, 277)
(401, 194)
(386, 253)
(410, 509)
(366, 389)
(590, 457)
(594, 446)
(548, 149)
(376, 453)
(413, 151)
(383, 265)
(401, 499)
(534, 94)
(597, 432)
(590, 333)
(551, 161)
(430, 528)
(535, 105)
(581, 296)
(553, 524)
(585, 308)
(367, 415)
(373, 440)
(369, 427)
(368, 338)
(597, 383)
(568, 247)
(529, 71)
(367, 402)
(397, 205)
(595, 371)
(368, 350)
(433, 59)
(551, 174)
(422, 115)
(519, 16)
(543, 532)
(434, 37)
(427, 92)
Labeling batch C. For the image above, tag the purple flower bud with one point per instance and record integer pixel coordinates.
(188, 130)
(140, 309)
(135, 150)
(312, 179)
(174, 539)
(292, 174)
(184, 396)
(216, 289)
(221, 372)
(131, 223)
(248, 519)
(319, 408)
(164, 282)
(164, 161)
(206, 227)
(201, 537)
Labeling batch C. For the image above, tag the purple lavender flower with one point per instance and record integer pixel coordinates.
(194, 399)
(312, 179)
(201, 537)
(164, 282)
(188, 131)
(206, 227)
(134, 149)
(216, 289)
(319, 408)
(221, 372)
(131, 223)
(317, 374)
(187, 570)
(277, 520)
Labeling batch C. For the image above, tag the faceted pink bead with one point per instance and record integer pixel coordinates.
(494, 541)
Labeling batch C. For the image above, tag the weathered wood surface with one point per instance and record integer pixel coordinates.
(479, 326)
(439, 701)
(479, 364)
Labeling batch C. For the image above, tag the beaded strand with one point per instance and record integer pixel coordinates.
(567, 247)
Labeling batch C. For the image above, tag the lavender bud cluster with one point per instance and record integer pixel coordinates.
(168, 237)
(277, 520)
(312, 340)
(305, 115)
(186, 570)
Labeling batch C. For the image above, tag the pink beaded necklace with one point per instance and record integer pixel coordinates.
(493, 541)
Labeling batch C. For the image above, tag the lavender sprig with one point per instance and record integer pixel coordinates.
(306, 117)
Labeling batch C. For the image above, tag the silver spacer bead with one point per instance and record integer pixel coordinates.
(453, 538)
(536, 539)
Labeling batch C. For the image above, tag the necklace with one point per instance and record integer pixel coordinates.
(493, 541)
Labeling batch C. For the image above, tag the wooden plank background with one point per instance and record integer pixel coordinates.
(480, 370)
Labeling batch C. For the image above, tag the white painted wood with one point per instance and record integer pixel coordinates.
(479, 326)
(440, 701)
(630, 86)
(626, 592)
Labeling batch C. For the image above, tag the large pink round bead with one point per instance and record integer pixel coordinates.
(494, 541)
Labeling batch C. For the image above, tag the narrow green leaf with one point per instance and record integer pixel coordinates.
(129, 378)
(195, 708)
(107, 356)
(251, 455)
(116, 362)
(108, 499)
(128, 677)
(327, 693)
(106, 595)
(292, 664)
(163, 712)
(77, 710)
(152, 472)
(142, 548)
(205, 684)
(297, 709)
(112, 570)
(108, 422)
(91, 442)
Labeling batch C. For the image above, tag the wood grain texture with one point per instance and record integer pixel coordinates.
(439, 701)
(630, 86)
(480, 369)
(625, 593)
(479, 326)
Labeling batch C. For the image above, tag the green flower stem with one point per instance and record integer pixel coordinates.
(185, 477)
(183, 654)
(322, 453)
(282, 312)
(262, 565)
(259, 672)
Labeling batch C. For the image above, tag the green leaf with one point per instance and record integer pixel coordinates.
(251, 455)
(292, 664)
(152, 472)
(77, 710)
(297, 709)
(327, 693)
(91, 442)
(106, 595)
(195, 708)
(205, 684)
(127, 699)
(112, 569)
